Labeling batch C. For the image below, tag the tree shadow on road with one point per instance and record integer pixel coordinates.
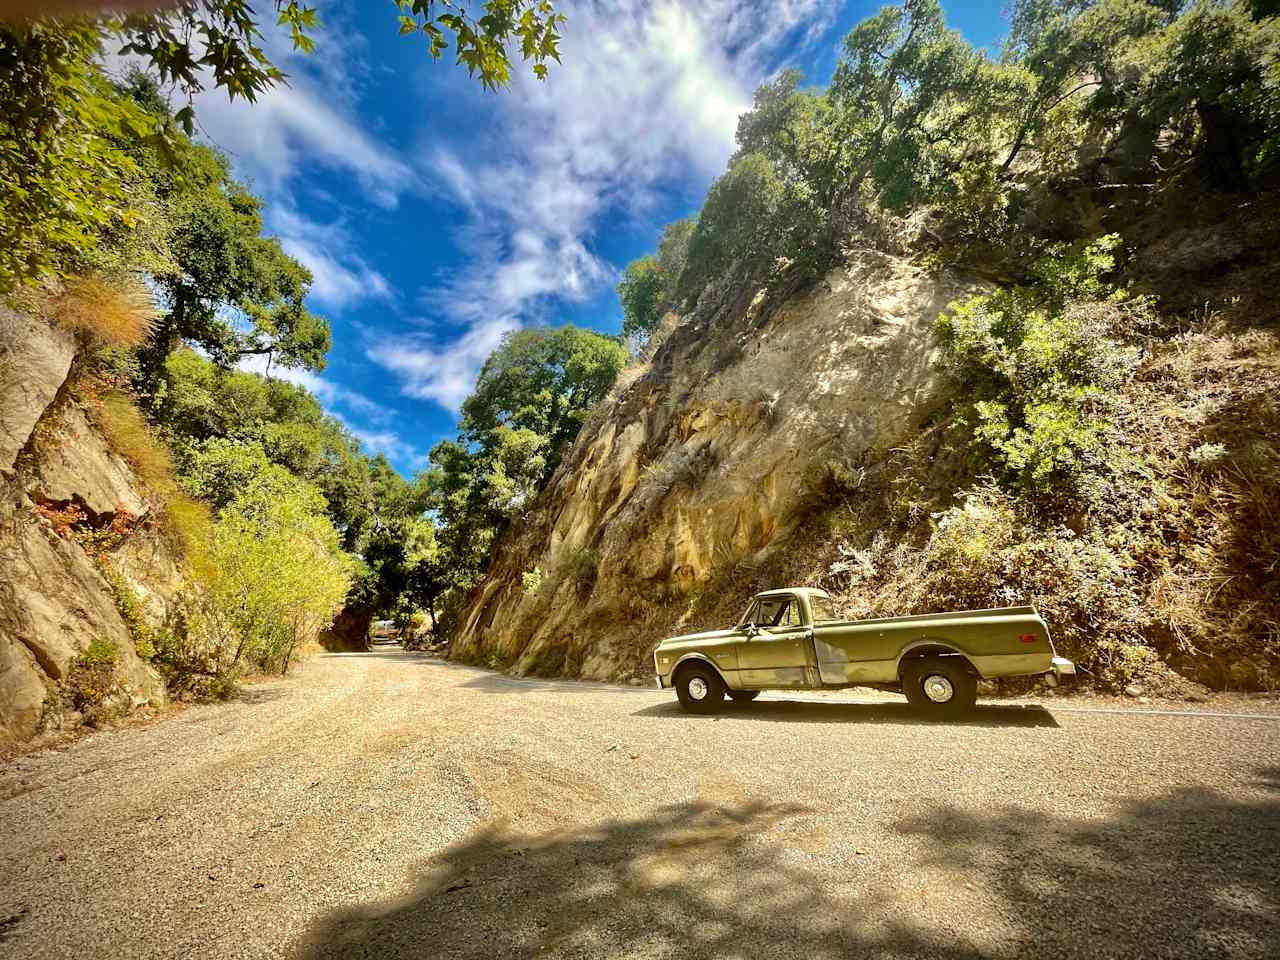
(815, 711)
(1190, 874)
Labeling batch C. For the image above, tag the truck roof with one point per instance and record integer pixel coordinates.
(807, 591)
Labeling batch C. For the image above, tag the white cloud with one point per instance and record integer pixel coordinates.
(647, 99)
(432, 370)
(340, 276)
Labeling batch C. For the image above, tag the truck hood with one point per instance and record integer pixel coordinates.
(693, 638)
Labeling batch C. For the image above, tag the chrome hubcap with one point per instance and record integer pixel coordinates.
(938, 689)
(698, 688)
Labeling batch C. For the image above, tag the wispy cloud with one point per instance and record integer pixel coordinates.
(647, 99)
(434, 370)
(340, 276)
(313, 120)
(391, 446)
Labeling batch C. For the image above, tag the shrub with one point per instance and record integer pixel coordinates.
(91, 678)
(129, 607)
(1038, 367)
(276, 575)
(532, 580)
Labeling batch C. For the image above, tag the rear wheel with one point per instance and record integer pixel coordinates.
(940, 686)
(700, 689)
(743, 696)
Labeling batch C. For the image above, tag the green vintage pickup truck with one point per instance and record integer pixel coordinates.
(789, 640)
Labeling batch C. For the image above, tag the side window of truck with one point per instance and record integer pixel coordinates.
(770, 613)
(791, 618)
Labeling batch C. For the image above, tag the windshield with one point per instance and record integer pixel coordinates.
(822, 610)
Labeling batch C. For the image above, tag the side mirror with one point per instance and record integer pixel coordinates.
(750, 629)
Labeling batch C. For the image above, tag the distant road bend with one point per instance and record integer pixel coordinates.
(390, 805)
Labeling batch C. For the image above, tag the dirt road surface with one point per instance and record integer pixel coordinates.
(390, 805)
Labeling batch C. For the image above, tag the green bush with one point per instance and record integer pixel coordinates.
(1038, 367)
(129, 607)
(91, 678)
(276, 576)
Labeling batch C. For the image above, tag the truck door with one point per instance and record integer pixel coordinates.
(775, 654)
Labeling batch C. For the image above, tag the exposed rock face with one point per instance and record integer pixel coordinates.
(53, 600)
(34, 362)
(75, 465)
(348, 632)
(704, 460)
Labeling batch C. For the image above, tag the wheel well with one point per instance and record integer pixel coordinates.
(934, 650)
(685, 665)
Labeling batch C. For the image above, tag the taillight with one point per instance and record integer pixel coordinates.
(1029, 638)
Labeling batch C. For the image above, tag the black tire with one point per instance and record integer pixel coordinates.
(706, 695)
(925, 680)
(743, 696)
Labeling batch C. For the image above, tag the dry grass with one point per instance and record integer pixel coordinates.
(187, 521)
(119, 313)
(130, 436)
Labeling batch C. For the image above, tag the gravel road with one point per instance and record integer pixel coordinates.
(390, 805)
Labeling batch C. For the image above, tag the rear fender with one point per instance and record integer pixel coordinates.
(932, 647)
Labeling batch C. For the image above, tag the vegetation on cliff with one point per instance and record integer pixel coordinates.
(1105, 443)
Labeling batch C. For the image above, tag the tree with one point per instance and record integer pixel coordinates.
(650, 285)
(640, 292)
(65, 182)
(1164, 81)
(223, 38)
(208, 413)
(911, 102)
(530, 400)
(227, 288)
(544, 380)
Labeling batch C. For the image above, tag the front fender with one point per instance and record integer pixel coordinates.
(665, 679)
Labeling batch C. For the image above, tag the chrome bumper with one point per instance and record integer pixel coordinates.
(1059, 667)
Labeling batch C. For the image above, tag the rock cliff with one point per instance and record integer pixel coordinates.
(705, 458)
(54, 599)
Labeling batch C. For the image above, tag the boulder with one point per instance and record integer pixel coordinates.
(35, 359)
(53, 604)
(75, 465)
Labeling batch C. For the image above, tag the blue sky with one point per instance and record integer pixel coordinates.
(436, 216)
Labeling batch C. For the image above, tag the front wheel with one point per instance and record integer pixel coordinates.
(940, 686)
(700, 690)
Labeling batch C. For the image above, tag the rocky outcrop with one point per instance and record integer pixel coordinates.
(54, 602)
(705, 459)
(34, 362)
